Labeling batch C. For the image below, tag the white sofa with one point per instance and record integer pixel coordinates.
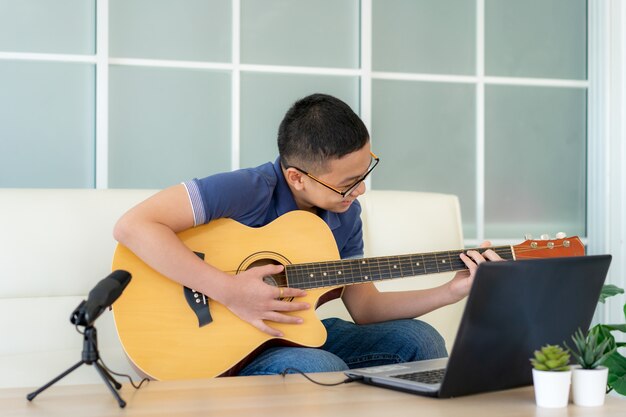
(55, 245)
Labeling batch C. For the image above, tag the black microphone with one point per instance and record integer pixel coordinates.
(100, 297)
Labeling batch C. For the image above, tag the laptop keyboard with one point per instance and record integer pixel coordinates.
(434, 376)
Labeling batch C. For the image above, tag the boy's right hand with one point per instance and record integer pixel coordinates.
(256, 302)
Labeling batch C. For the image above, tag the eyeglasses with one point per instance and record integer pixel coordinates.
(350, 188)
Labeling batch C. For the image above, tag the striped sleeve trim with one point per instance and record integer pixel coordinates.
(199, 215)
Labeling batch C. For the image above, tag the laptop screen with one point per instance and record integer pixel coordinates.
(513, 309)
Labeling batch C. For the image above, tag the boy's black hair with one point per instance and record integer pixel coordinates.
(317, 128)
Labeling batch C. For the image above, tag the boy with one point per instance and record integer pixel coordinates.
(324, 158)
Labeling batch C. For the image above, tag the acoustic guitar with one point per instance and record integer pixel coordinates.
(169, 331)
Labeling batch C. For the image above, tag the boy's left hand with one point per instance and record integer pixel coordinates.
(462, 281)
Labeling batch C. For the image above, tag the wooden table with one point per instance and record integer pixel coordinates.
(276, 396)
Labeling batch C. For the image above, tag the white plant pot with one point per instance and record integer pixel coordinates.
(589, 386)
(552, 388)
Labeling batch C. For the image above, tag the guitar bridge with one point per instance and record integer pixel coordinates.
(198, 302)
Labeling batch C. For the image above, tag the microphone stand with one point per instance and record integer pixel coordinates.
(90, 356)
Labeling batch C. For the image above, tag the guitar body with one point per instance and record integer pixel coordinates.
(159, 331)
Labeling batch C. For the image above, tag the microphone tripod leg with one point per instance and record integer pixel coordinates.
(32, 395)
(116, 384)
(90, 356)
(108, 380)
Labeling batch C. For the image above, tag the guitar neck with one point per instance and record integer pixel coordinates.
(354, 271)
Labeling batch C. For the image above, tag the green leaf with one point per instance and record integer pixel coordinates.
(612, 358)
(579, 341)
(538, 365)
(617, 372)
(619, 327)
(550, 358)
(603, 332)
(540, 356)
(553, 363)
(602, 359)
(604, 346)
(609, 290)
(591, 349)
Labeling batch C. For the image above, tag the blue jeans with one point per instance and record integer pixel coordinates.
(354, 346)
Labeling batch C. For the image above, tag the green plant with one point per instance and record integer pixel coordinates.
(589, 353)
(551, 358)
(616, 362)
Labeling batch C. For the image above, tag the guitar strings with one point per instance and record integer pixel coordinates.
(382, 268)
(397, 266)
(313, 275)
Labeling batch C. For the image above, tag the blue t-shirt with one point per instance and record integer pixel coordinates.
(257, 196)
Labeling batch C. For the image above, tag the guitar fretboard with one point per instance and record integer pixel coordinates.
(353, 271)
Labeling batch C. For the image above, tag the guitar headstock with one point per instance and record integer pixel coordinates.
(546, 248)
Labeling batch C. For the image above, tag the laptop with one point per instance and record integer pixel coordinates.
(513, 309)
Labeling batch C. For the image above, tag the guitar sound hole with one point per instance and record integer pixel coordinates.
(269, 280)
(277, 280)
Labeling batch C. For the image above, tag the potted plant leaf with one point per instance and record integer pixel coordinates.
(616, 362)
(589, 378)
(551, 376)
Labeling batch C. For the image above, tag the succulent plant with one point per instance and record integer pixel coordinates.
(588, 353)
(551, 358)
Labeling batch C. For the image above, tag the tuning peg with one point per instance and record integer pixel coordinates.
(528, 236)
(545, 237)
(561, 235)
